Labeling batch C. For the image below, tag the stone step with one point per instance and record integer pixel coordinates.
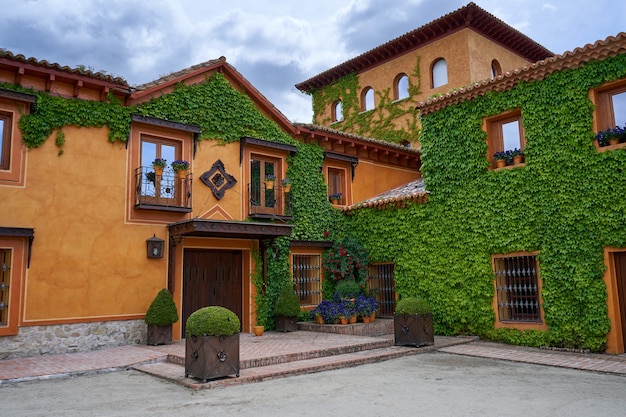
(176, 373)
(379, 327)
(299, 356)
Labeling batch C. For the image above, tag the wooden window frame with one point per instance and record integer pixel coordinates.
(505, 322)
(5, 141)
(19, 247)
(495, 137)
(158, 199)
(604, 114)
(13, 106)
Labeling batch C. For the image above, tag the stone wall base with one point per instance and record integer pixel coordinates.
(68, 338)
(379, 327)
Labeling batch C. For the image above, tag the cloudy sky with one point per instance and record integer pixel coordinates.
(273, 43)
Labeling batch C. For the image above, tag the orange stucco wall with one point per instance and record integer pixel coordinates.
(468, 56)
(87, 263)
(615, 340)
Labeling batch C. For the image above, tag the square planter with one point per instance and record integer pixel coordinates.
(210, 357)
(415, 330)
(159, 335)
(286, 324)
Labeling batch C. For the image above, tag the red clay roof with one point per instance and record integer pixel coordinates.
(8, 58)
(469, 16)
(412, 191)
(611, 46)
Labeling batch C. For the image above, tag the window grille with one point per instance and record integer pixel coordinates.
(382, 287)
(5, 277)
(307, 278)
(517, 288)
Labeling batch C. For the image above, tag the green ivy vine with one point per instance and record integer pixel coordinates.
(380, 122)
(566, 205)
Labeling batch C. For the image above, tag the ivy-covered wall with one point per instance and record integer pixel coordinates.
(566, 204)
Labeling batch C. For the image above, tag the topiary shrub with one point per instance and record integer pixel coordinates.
(213, 321)
(287, 303)
(162, 311)
(412, 305)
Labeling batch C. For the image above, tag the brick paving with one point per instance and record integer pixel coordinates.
(276, 355)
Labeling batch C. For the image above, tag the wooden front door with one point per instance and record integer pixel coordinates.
(211, 277)
(620, 276)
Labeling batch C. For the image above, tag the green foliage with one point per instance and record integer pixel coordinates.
(212, 321)
(347, 288)
(162, 310)
(412, 305)
(380, 122)
(287, 303)
(346, 260)
(566, 204)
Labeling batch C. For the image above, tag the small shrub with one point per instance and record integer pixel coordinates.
(162, 311)
(287, 303)
(213, 321)
(412, 305)
(347, 288)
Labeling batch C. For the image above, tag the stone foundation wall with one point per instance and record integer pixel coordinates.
(67, 338)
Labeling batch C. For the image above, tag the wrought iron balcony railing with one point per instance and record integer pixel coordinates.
(167, 191)
(265, 203)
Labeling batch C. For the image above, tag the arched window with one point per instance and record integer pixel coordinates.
(440, 73)
(401, 87)
(337, 111)
(496, 69)
(367, 99)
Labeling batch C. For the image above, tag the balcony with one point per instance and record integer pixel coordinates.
(166, 192)
(264, 203)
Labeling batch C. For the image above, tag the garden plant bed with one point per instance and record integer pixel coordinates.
(379, 327)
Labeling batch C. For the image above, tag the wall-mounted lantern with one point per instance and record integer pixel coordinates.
(155, 247)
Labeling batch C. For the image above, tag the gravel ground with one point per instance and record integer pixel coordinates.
(436, 384)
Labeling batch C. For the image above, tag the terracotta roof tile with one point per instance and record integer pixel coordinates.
(611, 46)
(468, 16)
(412, 191)
(178, 74)
(100, 75)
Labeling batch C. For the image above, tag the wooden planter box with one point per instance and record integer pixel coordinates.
(159, 335)
(210, 357)
(416, 330)
(286, 324)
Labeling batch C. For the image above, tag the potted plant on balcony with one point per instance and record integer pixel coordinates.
(287, 308)
(335, 198)
(212, 343)
(180, 167)
(269, 181)
(159, 165)
(160, 316)
(286, 183)
(501, 159)
(413, 323)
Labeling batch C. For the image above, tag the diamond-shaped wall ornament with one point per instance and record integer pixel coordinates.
(218, 180)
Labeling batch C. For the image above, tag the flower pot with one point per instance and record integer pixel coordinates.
(373, 316)
(287, 188)
(258, 330)
(158, 171)
(343, 320)
(286, 324)
(353, 319)
(159, 335)
(413, 330)
(269, 185)
(334, 201)
(613, 141)
(500, 163)
(518, 159)
(182, 174)
(319, 319)
(366, 319)
(210, 357)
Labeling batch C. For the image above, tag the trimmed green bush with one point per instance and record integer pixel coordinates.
(162, 311)
(213, 321)
(287, 303)
(347, 288)
(412, 305)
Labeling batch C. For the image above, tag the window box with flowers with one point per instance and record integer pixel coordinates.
(335, 198)
(501, 158)
(180, 167)
(611, 136)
